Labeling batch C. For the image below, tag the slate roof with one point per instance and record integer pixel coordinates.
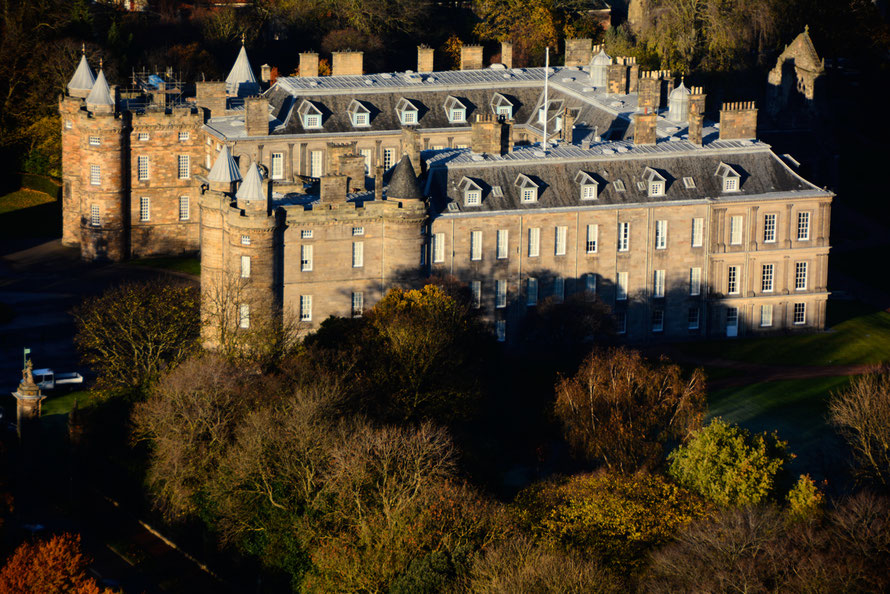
(83, 78)
(403, 182)
(382, 108)
(101, 93)
(225, 169)
(761, 171)
(241, 80)
(251, 188)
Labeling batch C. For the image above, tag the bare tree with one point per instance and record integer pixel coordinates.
(862, 415)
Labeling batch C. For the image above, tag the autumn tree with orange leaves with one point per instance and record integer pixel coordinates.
(50, 566)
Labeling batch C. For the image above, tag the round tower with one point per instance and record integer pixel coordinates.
(404, 230)
(103, 177)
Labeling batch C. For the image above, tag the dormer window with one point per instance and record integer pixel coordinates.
(553, 115)
(502, 107)
(310, 115)
(407, 112)
(528, 189)
(472, 192)
(456, 110)
(587, 184)
(655, 182)
(359, 114)
(730, 177)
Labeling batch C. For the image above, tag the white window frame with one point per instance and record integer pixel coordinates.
(736, 229)
(767, 278)
(621, 287)
(316, 163)
(143, 136)
(457, 115)
(305, 308)
(184, 208)
(306, 234)
(475, 246)
(529, 194)
(694, 281)
(95, 217)
(770, 222)
(534, 242)
(360, 118)
(503, 244)
(245, 266)
(560, 240)
(358, 254)
(766, 315)
(95, 141)
(389, 157)
(732, 280)
(142, 170)
(801, 270)
(472, 197)
(95, 175)
(624, 237)
(244, 316)
(408, 117)
(531, 291)
(277, 165)
(183, 166)
(661, 228)
(438, 247)
(366, 153)
(730, 183)
(658, 282)
(500, 293)
(698, 231)
(306, 258)
(658, 320)
(183, 136)
(593, 233)
(656, 188)
(358, 231)
(144, 209)
(358, 304)
(800, 314)
(312, 121)
(803, 225)
(588, 192)
(245, 240)
(476, 293)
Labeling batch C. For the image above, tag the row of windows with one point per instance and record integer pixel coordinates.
(183, 167)
(305, 313)
(307, 252)
(799, 318)
(770, 224)
(145, 208)
(140, 136)
(767, 278)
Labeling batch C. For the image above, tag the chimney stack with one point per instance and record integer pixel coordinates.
(346, 63)
(697, 99)
(378, 183)
(578, 52)
(490, 135)
(411, 146)
(644, 127)
(256, 116)
(471, 57)
(332, 188)
(738, 120)
(308, 64)
(617, 79)
(648, 90)
(265, 73)
(507, 54)
(424, 58)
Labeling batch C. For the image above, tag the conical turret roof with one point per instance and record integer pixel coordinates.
(225, 169)
(83, 78)
(251, 188)
(403, 183)
(101, 92)
(241, 80)
(601, 59)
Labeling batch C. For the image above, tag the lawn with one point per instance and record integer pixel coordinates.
(797, 410)
(23, 198)
(28, 214)
(186, 264)
(857, 336)
(62, 404)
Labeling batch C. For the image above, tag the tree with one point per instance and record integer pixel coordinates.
(131, 333)
(805, 501)
(565, 329)
(610, 516)
(622, 411)
(861, 413)
(728, 465)
(47, 567)
(520, 565)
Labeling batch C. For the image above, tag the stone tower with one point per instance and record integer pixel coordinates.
(794, 82)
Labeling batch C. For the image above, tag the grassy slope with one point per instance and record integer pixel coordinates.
(859, 338)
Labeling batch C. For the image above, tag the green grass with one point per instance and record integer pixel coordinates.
(21, 199)
(63, 403)
(797, 410)
(187, 264)
(859, 338)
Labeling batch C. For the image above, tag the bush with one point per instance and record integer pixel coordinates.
(610, 516)
(805, 500)
(727, 465)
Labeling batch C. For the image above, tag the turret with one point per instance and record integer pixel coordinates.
(81, 83)
(678, 104)
(224, 174)
(599, 69)
(251, 196)
(241, 82)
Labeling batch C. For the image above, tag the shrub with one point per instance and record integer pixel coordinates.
(727, 465)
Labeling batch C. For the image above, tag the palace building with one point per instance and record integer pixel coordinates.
(318, 194)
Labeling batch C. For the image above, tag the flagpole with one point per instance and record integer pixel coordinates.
(546, 100)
